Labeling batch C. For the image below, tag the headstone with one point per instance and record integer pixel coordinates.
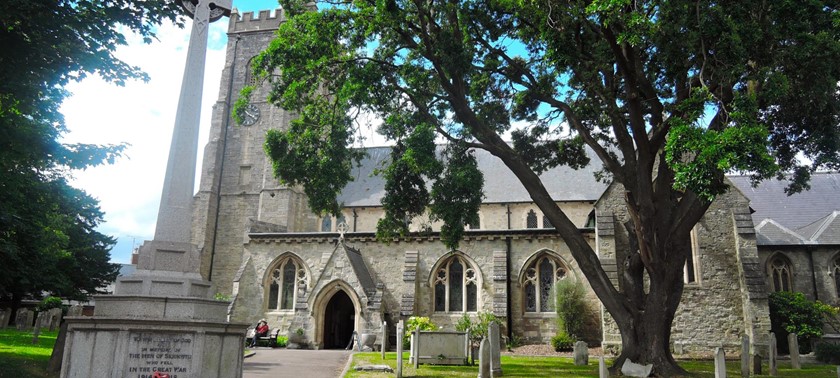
(415, 348)
(632, 369)
(745, 356)
(484, 359)
(384, 342)
(581, 352)
(24, 318)
(495, 353)
(756, 364)
(54, 319)
(602, 368)
(4, 317)
(43, 318)
(75, 310)
(771, 358)
(793, 345)
(366, 341)
(838, 372)
(720, 363)
(400, 336)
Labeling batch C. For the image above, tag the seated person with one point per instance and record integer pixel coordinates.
(260, 331)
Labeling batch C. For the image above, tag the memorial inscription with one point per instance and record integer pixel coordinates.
(154, 352)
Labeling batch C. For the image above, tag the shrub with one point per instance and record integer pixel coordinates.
(282, 341)
(422, 323)
(562, 342)
(514, 342)
(571, 306)
(49, 303)
(791, 312)
(828, 353)
(478, 329)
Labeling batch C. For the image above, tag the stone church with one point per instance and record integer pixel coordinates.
(328, 276)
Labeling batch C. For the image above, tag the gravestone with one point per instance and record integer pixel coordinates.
(720, 363)
(4, 317)
(384, 343)
(745, 356)
(581, 353)
(54, 315)
(400, 336)
(793, 345)
(771, 358)
(484, 359)
(756, 364)
(75, 310)
(632, 369)
(24, 319)
(495, 353)
(602, 368)
(42, 320)
(163, 318)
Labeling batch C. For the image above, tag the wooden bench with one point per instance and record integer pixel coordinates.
(271, 339)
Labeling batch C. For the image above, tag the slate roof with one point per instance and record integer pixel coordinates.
(360, 268)
(812, 215)
(500, 184)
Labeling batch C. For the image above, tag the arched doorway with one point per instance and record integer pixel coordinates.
(339, 321)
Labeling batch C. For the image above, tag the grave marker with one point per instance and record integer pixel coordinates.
(771, 359)
(484, 359)
(400, 336)
(384, 343)
(495, 353)
(720, 363)
(793, 346)
(602, 368)
(745, 356)
(581, 352)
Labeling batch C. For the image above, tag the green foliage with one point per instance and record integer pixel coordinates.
(477, 329)
(792, 312)
(514, 342)
(49, 303)
(827, 353)
(48, 237)
(422, 323)
(282, 341)
(562, 342)
(570, 305)
(221, 297)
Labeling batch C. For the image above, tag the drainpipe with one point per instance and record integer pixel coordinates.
(508, 216)
(355, 218)
(813, 271)
(222, 163)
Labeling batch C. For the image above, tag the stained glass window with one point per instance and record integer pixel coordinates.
(547, 223)
(285, 278)
(538, 283)
(531, 220)
(779, 269)
(456, 287)
(326, 224)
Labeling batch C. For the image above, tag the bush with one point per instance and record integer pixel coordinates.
(478, 329)
(828, 353)
(571, 306)
(562, 342)
(791, 312)
(422, 323)
(49, 303)
(282, 341)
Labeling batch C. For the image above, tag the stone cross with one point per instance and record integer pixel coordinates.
(175, 214)
(745, 356)
(720, 363)
(484, 359)
(793, 346)
(581, 353)
(771, 359)
(400, 336)
(495, 344)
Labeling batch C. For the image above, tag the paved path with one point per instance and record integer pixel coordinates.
(295, 363)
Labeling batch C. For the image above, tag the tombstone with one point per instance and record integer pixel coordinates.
(632, 369)
(756, 364)
(745, 356)
(54, 319)
(581, 352)
(415, 348)
(838, 372)
(495, 353)
(43, 319)
(602, 368)
(484, 357)
(75, 310)
(24, 318)
(384, 343)
(771, 359)
(720, 363)
(400, 336)
(4, 317)
(793, 345)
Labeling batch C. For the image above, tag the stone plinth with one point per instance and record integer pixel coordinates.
(117, 347)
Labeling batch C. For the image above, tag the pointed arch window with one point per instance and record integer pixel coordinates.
(779, 269)
(546, 222)
(284, 280)
(531, 219)
(538, 283)
(326, 224)
(835, 269)
(456, 286)
(249, 72)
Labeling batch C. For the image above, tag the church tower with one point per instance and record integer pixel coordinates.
(238, 193)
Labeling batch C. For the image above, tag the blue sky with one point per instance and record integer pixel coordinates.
(142, 115)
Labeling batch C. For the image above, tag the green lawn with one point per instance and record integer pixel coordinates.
(20, 358)
(524, 366)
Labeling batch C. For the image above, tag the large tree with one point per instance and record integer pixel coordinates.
(48, 240)
(669, 95)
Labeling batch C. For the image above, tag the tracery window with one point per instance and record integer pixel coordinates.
(538, 283)
(531, 219)
(326, 224)
(284, 280)
(249, 75)
(836, 271)
(547, 223)
(456, 286)
(779, 269)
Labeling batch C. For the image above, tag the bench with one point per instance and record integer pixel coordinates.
(271, 339)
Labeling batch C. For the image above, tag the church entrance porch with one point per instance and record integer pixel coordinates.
(339, 321)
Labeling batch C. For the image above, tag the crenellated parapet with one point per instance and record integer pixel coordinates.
(249, 22)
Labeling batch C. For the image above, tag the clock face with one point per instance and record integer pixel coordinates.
(250, 115)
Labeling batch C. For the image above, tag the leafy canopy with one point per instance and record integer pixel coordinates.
(48, 240)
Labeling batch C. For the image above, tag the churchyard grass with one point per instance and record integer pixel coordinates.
(20, 358)
(532, 366)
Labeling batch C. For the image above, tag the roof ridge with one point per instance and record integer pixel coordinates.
(778, 225)
(828, 220)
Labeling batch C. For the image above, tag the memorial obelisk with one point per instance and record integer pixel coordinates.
(163, 318)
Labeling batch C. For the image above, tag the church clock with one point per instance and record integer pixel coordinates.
(250, 115)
